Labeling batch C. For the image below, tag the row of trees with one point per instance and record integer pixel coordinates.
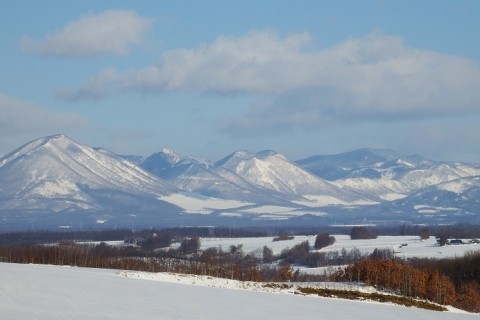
(231, 264)
(464, 272)
(361, 232)
(403, 278)
(42, 237)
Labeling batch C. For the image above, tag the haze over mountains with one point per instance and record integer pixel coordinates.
(56, 182)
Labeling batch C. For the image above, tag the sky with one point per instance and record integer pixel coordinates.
(207, 78)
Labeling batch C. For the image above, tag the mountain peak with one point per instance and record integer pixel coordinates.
(58, 136)
(161, 161)
(266, 153)
(58, 140)
(236, 156)
(172, 155)
(242, 154)
(57, 173)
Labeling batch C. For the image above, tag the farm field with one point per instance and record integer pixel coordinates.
(404, 246)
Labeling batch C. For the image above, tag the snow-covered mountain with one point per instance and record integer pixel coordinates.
(59, 170)
(209, 179)
(55, 178)
(412, 186)
(273, 171)
(58, 175)
(392, 185)
(454, 197)
(366, 179)
(363, 163)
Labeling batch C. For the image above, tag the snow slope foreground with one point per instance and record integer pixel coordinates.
(53, 292)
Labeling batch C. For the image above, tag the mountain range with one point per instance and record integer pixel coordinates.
(57, 182)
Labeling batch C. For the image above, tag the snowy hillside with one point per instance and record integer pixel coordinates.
(362, 163)
(452, 197)
(53, 292)
(274, 171)
(208, 179)
(435, 175)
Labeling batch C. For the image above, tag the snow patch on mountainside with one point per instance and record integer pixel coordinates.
(61, 187)
(392, 196)
(269, 209)
(384, 188)
(325, 200)
(456, 186)
(191, 204)
(426, 209)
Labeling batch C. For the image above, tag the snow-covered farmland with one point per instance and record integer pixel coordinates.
(404, 246)
(253, 244)
(54, 292)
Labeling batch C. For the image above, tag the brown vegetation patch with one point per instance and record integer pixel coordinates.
(356, 295)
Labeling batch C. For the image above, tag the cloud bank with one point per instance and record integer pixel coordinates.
(110, 32)
(373, 77)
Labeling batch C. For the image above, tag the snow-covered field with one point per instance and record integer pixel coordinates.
(54, 292)
(404, 246)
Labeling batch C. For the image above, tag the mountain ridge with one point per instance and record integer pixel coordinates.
(56, 174)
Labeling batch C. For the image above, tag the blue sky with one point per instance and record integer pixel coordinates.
(206, 78)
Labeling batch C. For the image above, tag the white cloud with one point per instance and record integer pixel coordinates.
(110, 32)
(21, 121)
(373, 77)
(247, 64)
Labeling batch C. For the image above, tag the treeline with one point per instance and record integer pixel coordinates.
(42, 237)
(464, 272)
(38, 237)
(401, 277)
(99, 256)
(361, 232)
(231, 264)
(154, 254)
